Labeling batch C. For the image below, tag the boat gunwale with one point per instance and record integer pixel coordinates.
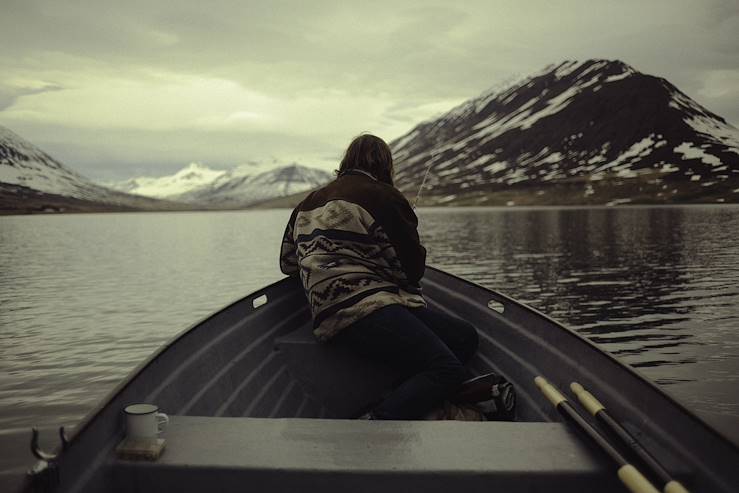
(653, 386)
(89, 418)
(131, 376)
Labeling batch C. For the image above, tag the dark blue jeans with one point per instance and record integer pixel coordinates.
(430, 348)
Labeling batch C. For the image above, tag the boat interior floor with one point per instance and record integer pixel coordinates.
(295, 430)
(358, 455)
(346, 384)
(256, 403)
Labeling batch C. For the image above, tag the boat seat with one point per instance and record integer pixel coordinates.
(345, 383)
(291, 454)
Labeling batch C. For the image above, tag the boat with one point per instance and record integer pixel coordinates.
(255, 403)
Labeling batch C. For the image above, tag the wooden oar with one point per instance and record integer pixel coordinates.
(627, 473)
(598, 410)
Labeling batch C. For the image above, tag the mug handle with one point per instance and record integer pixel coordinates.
(162, 422)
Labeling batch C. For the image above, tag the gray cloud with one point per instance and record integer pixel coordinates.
(130, 152)
(309, 75)
(9, 95)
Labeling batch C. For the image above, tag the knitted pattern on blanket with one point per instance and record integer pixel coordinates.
(355, 245)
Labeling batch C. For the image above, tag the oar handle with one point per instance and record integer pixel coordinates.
(634, 480)
(587, 399)
(628, 474)
(597, 409)
(674, 487)
(549, 391)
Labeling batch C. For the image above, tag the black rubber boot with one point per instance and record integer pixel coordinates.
(492, 394)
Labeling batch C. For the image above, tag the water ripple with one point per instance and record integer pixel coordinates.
(85, 298)
(657, 287)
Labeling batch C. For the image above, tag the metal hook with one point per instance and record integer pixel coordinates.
(35, 450)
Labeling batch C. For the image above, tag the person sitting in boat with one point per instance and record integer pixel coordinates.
(355, 245)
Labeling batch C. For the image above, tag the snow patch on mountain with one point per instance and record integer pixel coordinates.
(502, 90)
(566, 68)
(189, 178)
(496, 167)
(250, 184)
(554, 157)
(638, 150)
(526, 115)
(243, 185)
(717, 131)
(689, 151)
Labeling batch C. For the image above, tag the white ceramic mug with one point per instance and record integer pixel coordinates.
(144, 421)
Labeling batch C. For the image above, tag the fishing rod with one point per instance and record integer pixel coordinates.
(425, 175)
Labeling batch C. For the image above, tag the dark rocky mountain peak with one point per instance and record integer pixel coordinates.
(596, 131)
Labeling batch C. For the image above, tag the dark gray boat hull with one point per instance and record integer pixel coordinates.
(245, 363)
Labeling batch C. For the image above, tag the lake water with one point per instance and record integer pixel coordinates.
(85, 298)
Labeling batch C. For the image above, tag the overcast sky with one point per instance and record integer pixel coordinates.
(123, 88)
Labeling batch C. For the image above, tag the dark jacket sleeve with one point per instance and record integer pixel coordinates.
(288, 253)
(400, 223)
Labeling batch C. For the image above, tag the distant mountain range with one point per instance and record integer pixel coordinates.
(593, 132)
(193, 176)
(242, 186)
(33, 181)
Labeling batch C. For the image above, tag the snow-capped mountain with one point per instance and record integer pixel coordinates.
(23, 164)
(246, 185)
(32, 180)
(194, 176)
(580, 132)
(241, 186)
